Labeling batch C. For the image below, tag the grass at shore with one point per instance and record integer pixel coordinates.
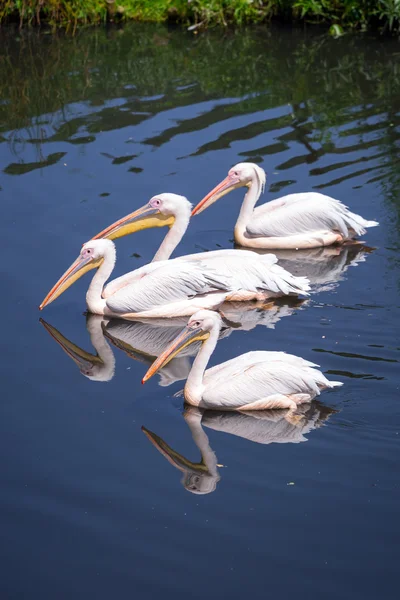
(341, 15)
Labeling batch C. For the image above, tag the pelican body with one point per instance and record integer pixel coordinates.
(251, 277)
(178, 287)
(253, 381)
(303, 220)
(167, 290)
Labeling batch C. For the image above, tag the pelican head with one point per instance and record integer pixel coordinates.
(91, 256)
(198, 329)
(161, 211)
(241, 175)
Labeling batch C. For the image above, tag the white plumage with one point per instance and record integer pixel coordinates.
(254, 381)
(167, 290)
(250, 276)
(167, 285)
(306, 213)
(303, 220)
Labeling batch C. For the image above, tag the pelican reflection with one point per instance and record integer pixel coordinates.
(324, 266)
(140, 341)
(96, 367)
(144, 340)
(261, 427)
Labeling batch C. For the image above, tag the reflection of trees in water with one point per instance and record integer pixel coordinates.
(336, 91)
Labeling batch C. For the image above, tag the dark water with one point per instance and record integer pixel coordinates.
(90, 128)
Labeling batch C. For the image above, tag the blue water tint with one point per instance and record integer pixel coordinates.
(90, 128)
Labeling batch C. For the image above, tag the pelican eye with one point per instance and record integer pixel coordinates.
(87, 252)
(196, 324)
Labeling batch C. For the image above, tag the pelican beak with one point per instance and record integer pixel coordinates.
(227, 185)
(78, 268)
(83, 359)
(173, 457)
(187, 336)
(146, 217)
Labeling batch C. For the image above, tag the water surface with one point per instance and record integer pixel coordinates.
(90, 128)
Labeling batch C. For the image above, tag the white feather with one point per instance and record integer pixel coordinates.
(172, 282)
(306, 213)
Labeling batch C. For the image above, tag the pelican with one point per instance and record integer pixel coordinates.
(260, 427)
(165, 289)
(252, 277)
(303, 220)
(253, 381)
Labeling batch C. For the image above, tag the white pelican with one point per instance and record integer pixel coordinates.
(304, 220)
(251, 276)
(253, 381)
(165, 289)
(261, 427)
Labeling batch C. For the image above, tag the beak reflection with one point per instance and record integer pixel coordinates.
(187, 336)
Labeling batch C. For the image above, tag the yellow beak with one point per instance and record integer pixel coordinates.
(78, 268)
(146, 217)
(227, 185)
(186, 337)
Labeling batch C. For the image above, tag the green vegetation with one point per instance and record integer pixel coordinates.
(341, 15)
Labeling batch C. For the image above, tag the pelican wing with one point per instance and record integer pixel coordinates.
(255, 273)
(305, 213)
(234, 366)
(129, 278)
(171, 282)
(256, 379)
(246, 271)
